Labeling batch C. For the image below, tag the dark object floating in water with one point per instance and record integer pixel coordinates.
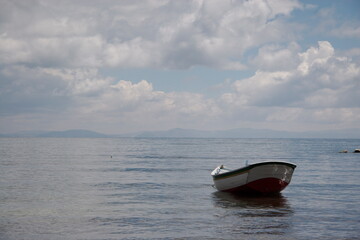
(357, 151)
(263, 178)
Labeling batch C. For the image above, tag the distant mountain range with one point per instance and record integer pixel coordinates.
(191, 133)
(76, 133)
(250, 133)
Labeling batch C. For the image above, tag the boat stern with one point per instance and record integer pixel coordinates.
(272, 177)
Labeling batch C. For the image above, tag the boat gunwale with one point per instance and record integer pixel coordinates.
(247, 168)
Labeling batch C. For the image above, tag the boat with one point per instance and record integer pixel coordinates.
(263, 178)
(357, 151)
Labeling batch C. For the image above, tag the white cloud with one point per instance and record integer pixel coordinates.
(79, 81)
(81, 97)
(261, 88)
(315, 57)
(140, 98)
(277, 58)
(12, 50)
(135, 53)
(161, 34)
(321, 85)
(300, 119)
(52, 52)
(285, 114)
(347, 31)
(343, 116)
(26, 89)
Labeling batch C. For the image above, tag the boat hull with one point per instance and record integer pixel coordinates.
(265, 178)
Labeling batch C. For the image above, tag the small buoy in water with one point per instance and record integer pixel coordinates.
(343, 151)
(110, 156)
(357, 151)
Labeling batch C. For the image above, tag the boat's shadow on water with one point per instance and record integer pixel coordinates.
(253, 214)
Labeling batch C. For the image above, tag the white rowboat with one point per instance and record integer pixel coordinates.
(264, 177)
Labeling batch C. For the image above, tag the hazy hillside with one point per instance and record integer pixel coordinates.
(191, 133)
(77, 133)
(252, 133)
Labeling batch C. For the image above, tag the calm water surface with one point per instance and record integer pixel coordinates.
(161, 189)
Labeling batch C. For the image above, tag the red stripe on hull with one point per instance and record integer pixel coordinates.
(264, 186)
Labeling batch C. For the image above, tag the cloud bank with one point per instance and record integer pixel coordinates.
(161, 34)
(52, 54)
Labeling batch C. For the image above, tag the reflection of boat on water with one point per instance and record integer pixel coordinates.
(264, 177)
(231, 200)
(253, 215)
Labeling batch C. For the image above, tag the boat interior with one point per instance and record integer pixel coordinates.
(220, 170)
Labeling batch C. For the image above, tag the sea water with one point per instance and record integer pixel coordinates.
(133, 188)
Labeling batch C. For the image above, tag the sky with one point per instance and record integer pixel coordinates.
(128, 66)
